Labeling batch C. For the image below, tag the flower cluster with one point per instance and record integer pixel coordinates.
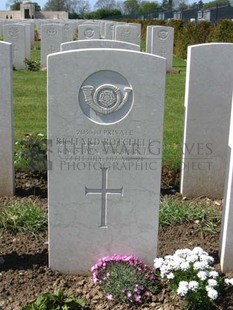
(191, 276)
(124, 278)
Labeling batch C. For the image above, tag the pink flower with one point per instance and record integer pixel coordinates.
(129, 294)
(137, 298)
(109, 296)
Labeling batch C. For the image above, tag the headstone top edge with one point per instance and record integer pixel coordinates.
(100, 50)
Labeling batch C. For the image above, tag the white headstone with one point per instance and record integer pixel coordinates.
(128, 33)
(110, 30)
(69, 30)
(148, 39)
(226, 237)
(6, 121)
(88, 32)
(16, 34)
(208, 98)
(105, 127)
(161, 40)
(101, 43)
(51, 39)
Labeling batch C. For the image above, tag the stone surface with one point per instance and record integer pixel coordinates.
(128, 33)
(148, 39)
(109, 30)
(88, 31)
(101, 43)
(226, 237)
(6, 121)
(208, 97)
(51, 39)
(16, 34)
(105, 126)
(161, 40)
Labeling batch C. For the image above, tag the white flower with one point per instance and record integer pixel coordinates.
(184, 266)
(229, 281)
(164, 270)
(158, 262)
(170, 275)
(183, 288)
(193, 285)
(176, 263)
(192, 258)
(212, 283)
(213, 274)
(183, 253)
(200, 265)
(197, 250)
(202, 275)
(212, 293)
(207, 258)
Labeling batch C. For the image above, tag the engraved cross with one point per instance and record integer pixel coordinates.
(104, 191)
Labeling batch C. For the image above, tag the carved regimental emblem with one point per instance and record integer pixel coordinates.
(89, 33)
(13, 31)
(163, 34)
(106, 98)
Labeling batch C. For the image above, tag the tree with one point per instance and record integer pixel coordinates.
(215, 3)
(131, 7)
(105, 4)
(55, 5)
(14, 5)
(167, 5)
(148, 7)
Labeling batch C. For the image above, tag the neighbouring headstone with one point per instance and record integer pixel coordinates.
(16, 34)
(148, 39)
(226, 237)
(105, 128)
(101, 43)
(88, 32)
(109, 30)
(6, 121)
(160, 40)
(51, 39)
(68, 32)
(208, 97)
(128, 33)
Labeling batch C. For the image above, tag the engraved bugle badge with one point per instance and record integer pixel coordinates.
(106, 98)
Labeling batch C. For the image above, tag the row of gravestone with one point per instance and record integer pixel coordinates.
(159, 38)
(105, 127)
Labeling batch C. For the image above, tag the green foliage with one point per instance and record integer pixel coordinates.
(192, 34)
(32, 153)
(173, 212)
(31, 65)
(23, 217)
(223, 31)
(148, 7)
(131, 7)
(102, 13)
(55, 301)
(15, 6)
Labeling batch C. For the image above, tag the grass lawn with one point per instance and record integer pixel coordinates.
(30, 107)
